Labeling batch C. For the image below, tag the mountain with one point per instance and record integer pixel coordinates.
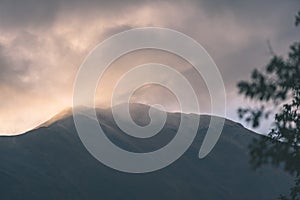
(50, 162)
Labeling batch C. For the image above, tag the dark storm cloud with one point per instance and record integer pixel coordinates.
(259, 21)
(16, 14)
(30, 13)
(19, 14)
(250, 10)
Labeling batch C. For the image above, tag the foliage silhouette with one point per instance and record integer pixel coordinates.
(276, 88)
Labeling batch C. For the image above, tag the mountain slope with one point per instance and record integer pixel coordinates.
(50, 162)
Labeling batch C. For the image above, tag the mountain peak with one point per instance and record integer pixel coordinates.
(49, 159)
(67, 112)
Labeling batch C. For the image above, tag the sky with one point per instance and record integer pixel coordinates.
(43, 43)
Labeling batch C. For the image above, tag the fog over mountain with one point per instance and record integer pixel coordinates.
(50, 162)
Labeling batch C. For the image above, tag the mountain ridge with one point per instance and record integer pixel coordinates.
(51, 162)
(68, 112)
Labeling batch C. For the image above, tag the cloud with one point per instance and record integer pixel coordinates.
(43, 43)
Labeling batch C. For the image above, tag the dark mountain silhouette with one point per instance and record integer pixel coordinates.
(50, 162)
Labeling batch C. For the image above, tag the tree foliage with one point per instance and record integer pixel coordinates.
(277, 86)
